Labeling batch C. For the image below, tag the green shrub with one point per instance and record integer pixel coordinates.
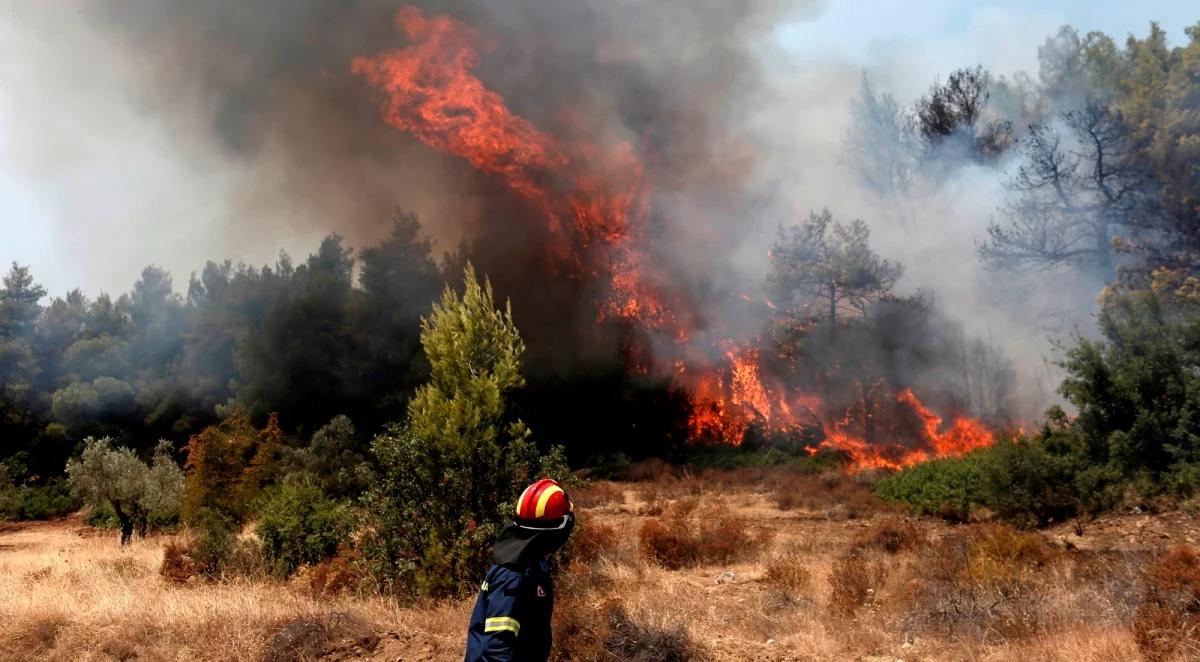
(1027, 485)
(8, 495)
(298, 525)
(334, 460)
(103, 517)
(1029, 481)
(44, 502)
(948, 487)
(450, 474)
(609, 467)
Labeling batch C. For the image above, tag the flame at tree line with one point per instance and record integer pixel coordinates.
(596, 202)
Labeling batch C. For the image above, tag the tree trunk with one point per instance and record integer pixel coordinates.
(1104, 258)
(833, 305)
(126, 523)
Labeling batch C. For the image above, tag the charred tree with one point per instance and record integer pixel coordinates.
(882, 146)
(952, 124)
(1078, 191)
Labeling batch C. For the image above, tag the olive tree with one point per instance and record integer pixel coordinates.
(105, 474)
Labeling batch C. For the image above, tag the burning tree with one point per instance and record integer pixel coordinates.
(1078, 189)
(595, 201)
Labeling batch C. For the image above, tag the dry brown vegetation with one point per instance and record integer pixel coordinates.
(687, 567)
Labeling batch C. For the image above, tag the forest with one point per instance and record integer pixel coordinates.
(1105, 184)
(789, 409)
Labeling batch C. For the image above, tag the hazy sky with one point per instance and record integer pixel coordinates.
(89, 171)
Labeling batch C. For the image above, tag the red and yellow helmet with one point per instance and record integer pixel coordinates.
(543, 503)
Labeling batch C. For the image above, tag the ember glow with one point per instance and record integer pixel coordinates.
(595, 202)
(727, 402)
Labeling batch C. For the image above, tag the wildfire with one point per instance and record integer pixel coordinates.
(727, 403)
(595, 202)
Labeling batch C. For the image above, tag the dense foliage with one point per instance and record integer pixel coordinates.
(299, 524)
(279, 376)
(449, 473)
(300, 340)
(107, 476)
(1137, 392)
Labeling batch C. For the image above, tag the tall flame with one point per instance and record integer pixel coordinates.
(432, 93)
(595, 202)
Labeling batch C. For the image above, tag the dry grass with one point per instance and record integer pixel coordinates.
(68, 597)
(690, 535)
(787, 570)
(892, 535)
(597, 494)
(1167, 623)
(804, 583)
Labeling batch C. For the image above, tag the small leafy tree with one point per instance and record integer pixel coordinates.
(334, 460)
(8, 494)
(298, 524)
(226, 466)
(104, 474)
(451, 472)
(824, 261)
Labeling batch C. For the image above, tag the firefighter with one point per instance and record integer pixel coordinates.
(511, 621)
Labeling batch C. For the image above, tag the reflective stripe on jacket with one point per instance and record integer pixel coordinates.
(511, 620)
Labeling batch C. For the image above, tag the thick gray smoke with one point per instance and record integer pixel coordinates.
(177, 131)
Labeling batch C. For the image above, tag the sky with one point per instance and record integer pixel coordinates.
(84, 164)
(898, 38)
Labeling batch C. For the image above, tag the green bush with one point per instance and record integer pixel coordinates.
(449, 474)
(334, 460)
(298, 524)
(948, 487)
(1029, 485)
(104, 517)
(1029, 481)
(27, 502)
(8, 495)
(44, 502)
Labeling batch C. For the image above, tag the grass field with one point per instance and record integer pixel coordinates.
(773, 568)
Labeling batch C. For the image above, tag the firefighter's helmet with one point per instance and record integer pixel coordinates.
(543, 504)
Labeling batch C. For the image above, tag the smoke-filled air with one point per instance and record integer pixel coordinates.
(286, 279)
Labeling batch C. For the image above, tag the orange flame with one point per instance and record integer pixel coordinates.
(431, 92)
(595, 203)
(726, 406)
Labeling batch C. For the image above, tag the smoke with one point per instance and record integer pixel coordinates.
(175, 131)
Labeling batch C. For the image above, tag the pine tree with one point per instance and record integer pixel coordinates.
(452, 470)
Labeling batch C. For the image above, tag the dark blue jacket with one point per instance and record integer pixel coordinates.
(511, 621)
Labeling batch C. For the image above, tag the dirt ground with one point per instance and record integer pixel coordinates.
(71, 593)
